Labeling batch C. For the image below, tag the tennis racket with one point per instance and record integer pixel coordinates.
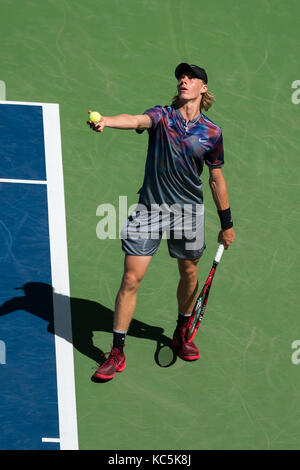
(200, 305)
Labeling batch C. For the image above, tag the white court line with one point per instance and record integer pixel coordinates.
(27, 103)
(60, 280)
(6, 180)
(2, 90)
(50, 439)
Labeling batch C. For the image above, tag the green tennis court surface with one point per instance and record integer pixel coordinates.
(119, 57)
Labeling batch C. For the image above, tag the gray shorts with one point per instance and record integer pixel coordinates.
(183, 227)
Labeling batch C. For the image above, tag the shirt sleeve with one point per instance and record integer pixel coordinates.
(214, 158)
(155, 115)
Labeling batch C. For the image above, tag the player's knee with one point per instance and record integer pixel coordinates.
(189, 275)
(130, 281)
(189, 272)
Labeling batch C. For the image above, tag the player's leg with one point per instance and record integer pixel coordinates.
(186, 296)
(188, 249)
(188, 284)
(135, 268)
(139, 247)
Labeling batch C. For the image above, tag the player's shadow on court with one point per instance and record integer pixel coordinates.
(87, 317)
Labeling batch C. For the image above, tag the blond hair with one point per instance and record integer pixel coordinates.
(206, 102)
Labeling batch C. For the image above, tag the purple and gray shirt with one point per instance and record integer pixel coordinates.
(176, 154)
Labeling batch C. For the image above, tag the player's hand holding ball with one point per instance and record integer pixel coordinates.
(96, 121)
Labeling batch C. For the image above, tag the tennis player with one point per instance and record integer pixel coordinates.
(181, 140)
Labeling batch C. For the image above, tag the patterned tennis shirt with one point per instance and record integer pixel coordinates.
(176, 154)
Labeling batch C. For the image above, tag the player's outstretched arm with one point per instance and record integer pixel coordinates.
(122, 121)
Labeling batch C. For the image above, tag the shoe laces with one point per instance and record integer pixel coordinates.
(113, 355)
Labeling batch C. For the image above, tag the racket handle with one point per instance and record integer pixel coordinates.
(219, 253)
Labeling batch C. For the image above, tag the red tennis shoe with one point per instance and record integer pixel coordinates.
(116, 362)
(185, 350)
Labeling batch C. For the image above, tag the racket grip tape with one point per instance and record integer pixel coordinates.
(219, 253)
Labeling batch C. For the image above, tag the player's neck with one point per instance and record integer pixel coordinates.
(190, 109)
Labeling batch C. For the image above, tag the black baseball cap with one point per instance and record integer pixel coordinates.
(184, 67)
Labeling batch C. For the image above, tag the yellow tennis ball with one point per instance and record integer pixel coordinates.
(95, 117)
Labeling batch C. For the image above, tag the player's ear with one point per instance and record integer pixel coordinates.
(204, 88)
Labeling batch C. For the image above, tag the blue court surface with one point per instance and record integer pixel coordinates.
(37, 397)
